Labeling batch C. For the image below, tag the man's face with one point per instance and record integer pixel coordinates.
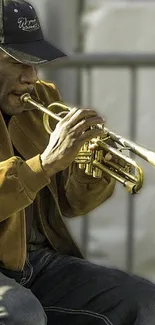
(15, 80)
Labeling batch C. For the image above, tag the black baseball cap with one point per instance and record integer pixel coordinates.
(21, 36)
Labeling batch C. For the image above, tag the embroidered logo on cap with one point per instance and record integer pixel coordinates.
(28, 25)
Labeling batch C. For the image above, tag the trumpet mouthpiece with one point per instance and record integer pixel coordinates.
(25, 97)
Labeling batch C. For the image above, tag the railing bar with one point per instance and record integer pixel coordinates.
(86, 218)
(131, 199)
(116, 60)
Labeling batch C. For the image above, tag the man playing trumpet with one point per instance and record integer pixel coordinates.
(43, 277)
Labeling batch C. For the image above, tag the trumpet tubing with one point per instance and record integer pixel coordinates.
(122, 168)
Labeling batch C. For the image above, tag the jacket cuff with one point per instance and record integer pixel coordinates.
(32, 175)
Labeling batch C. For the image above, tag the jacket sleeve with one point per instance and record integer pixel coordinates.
(19, 183)
(80, 193)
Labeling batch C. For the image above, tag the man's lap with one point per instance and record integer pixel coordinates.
(74, 291)
(71, 288)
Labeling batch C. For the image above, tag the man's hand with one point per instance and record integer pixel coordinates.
(68, 137)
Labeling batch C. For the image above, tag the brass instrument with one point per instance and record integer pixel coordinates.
(94, 162)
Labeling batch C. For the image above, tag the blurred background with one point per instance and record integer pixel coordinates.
(121, 232)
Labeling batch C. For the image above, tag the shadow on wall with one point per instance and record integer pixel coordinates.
(59, 20)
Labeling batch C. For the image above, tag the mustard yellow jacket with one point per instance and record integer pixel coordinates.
(21, 181)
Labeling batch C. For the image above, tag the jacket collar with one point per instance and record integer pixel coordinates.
(27, 133)
(6, 149)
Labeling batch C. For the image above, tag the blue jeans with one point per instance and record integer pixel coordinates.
(70, 291)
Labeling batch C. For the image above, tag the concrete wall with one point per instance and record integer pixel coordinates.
(128, 28)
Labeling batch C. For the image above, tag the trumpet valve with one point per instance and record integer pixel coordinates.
(97, 173)
(84, 156)
(89, 169)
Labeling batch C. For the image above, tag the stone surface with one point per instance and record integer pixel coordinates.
(128, 28)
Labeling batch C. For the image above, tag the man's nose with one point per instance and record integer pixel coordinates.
(28, 75)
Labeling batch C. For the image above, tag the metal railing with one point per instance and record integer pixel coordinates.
(113, 60)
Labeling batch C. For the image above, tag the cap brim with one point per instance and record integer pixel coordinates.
(38, 52)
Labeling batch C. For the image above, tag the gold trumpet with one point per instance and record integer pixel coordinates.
(93, 161)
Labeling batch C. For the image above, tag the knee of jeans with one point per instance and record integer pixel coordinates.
(21, 307)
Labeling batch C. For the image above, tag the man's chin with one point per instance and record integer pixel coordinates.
(11, 108)
(12, 105)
